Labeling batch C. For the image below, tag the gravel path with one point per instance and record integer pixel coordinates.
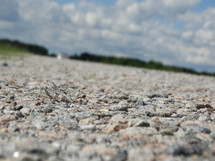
(56, 110)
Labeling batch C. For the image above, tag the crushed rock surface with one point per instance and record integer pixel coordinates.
(66, 110)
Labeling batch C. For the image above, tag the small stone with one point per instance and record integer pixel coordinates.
(88, 127)
(187, 150)
(37, 103)
(157, 96)
(120, 156)
(4, 130)
(79, 100)
(169, 132)
(39, 124)
(119, 108)
(19, 114)
(48, 108)
(117, 119)
(142, 124)
(163, 112)
(2, 107)
(18, 107)
(140, 103)
(116, 123)
(5, 64)
(6, 118)
(25, 111)
(12, 98)
(147, 110)
(87, 120)
(194, 127)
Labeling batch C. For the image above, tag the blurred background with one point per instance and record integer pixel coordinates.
(171, 32)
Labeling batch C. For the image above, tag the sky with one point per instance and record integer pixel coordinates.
(174, 32)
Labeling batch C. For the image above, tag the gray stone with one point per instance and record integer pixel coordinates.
(196, 129)
(5, 64)
(18, 107)
(189, 150)
(48, 108)
(120, 156)
(119, 108)
(142, 123)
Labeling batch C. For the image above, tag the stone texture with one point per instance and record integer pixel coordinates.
(69, 110)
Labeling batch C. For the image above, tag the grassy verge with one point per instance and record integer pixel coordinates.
(8, 51)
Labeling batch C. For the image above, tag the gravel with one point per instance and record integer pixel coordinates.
(65, 110)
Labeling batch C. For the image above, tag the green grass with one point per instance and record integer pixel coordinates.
(8, 51)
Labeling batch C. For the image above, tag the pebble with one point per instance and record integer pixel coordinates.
(48, 108)
(142, 124)
(120, 156)
(18, 107)
(25, 111)
(167, 132)
(72, 111)
(5, 64)
(119, 108)
(188, 150)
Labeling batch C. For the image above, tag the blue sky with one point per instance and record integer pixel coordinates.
(100, 2)
(174, 32)
(204, 4)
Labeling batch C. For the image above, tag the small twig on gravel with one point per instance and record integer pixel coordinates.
(50, 89)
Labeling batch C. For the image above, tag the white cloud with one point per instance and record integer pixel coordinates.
(204, 36)
(91, 19)
(187, 34)
(144, 29)
(182, 4)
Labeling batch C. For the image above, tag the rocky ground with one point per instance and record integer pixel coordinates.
(56, 110)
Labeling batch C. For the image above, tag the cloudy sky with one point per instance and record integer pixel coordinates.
(178, 32)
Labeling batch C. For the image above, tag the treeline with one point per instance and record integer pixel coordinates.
(40, 50)
(109, 60)
(135, 63)
(34, 49)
